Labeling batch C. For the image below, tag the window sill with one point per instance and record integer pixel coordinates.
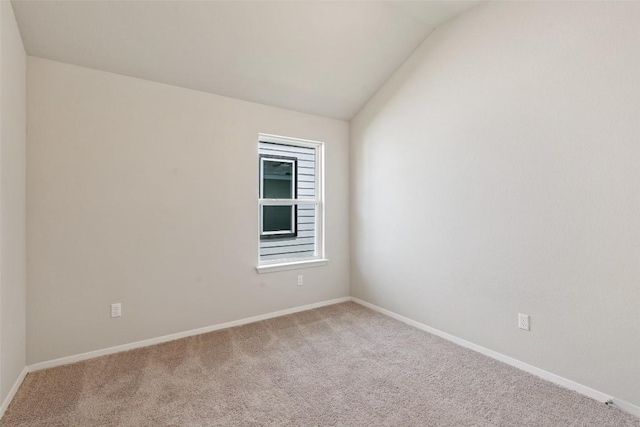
(293, 265)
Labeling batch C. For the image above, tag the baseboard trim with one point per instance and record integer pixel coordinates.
(556, 379)
(13, 391)
(172, 337)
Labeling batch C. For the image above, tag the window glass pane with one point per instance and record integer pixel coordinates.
(278, 218)
(306, 180)
(302, 245)
(306, 173)
(288, 172)
(278, 179)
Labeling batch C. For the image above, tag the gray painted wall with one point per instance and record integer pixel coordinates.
(146, 194)
(498, 172)
(12, 201)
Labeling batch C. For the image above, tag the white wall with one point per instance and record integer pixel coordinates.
(498, 172)
(146, 194)
(12, 201)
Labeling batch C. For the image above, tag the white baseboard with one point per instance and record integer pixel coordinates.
(172, 337)
(13, 391)
(556, 379)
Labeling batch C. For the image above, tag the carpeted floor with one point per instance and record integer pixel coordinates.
(341, 365)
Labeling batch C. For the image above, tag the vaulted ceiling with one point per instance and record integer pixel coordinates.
(320, 57)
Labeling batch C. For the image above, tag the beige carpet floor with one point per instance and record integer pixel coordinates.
(342, 365)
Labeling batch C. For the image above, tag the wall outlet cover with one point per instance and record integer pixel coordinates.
(523, 321)
(116, 309)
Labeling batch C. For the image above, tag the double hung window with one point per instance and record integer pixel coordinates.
(290, 202)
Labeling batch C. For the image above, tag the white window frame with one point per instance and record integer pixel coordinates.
(318, 259)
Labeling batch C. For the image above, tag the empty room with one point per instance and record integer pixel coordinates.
(319, 213)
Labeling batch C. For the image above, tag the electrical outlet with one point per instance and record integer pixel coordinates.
(523, 321)
(116, 310)
(300, 280)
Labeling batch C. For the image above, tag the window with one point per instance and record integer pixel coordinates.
(290, 203)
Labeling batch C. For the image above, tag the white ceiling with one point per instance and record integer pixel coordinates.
(320, 57)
